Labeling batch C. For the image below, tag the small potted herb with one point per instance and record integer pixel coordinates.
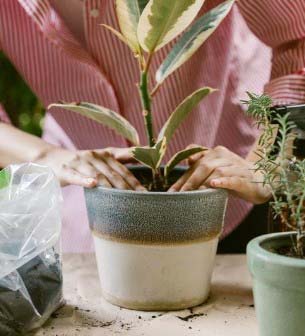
(276, 261)
(155, 250)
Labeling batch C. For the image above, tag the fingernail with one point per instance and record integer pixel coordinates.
(91, 181)
(214, 183)
(141, 188)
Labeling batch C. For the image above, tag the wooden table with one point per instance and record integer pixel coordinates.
(228, 312)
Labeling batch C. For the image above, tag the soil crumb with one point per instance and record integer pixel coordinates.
(190, 317)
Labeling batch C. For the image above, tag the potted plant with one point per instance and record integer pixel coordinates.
(276, 261)
(155, 250)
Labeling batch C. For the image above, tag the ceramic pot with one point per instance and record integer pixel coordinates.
(155, 250)
(279, 286)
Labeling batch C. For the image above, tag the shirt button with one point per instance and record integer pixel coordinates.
(94, 13)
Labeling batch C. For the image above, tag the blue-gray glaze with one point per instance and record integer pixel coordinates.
(156, 217)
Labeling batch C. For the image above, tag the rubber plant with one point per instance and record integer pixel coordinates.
(283, 174)
(146, 27)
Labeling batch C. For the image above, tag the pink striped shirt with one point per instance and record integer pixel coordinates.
(58, 67)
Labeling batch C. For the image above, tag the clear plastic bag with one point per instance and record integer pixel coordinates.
(30, 265)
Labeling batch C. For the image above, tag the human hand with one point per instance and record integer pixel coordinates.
(89, 168)
(221, 168)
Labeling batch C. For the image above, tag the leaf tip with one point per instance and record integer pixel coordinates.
(54, 105)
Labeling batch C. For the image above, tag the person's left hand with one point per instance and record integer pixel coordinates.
(221, 168)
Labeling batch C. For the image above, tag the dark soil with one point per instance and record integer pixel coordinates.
(287, 251)
(190, 317)
(43, 283)
(144, 175)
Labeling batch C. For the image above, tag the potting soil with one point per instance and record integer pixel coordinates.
(30, 295)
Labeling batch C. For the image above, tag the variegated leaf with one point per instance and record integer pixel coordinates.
(128, 13)
(192, 40)
(182, 111)
(116, 33)
(162, 21)
(180, 156)
(105, 117)
(151, 156)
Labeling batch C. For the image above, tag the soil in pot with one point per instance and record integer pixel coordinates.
(144, 175)
(43, 283)
(288, 249)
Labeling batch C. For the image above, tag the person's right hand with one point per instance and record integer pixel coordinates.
(90, 168)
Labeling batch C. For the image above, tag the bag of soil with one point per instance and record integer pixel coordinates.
(30, 265)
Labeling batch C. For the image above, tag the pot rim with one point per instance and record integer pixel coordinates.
(254, 248)
(160, 193)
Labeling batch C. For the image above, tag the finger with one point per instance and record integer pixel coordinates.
(112, 176)
(123, 155)
(192, 159)
(229, 171)
(71, 176)
(103, 181)
(203, 169)
(181, 182)
(196, 157)
(84, 167)
(248, 189)
(239, 187)
(196, 179)
(234, 183)
(177, 186)
(125, 173)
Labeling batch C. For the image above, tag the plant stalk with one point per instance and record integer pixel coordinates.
(299, 246)
(146, 105)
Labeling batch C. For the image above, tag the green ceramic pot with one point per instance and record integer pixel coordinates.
(278, 285)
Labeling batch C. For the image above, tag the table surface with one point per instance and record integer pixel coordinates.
(228, 312)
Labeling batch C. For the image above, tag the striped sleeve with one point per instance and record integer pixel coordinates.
(281, 25)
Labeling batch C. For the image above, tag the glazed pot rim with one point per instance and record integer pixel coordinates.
(160, 193)
(255, 249)
(138, 167)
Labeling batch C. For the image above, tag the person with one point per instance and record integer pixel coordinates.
(64, 54)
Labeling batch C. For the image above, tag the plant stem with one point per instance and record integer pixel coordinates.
(299, 247)
(146, 105)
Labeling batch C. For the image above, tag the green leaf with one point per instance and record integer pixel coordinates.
(128, 13)
(151, 156)
(180, 156)
(192, 40)
(103, 116)
(162, 21)
(5, 178)
(182, 111)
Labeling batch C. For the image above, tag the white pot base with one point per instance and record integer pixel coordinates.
(155, 277)
(154, 306)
